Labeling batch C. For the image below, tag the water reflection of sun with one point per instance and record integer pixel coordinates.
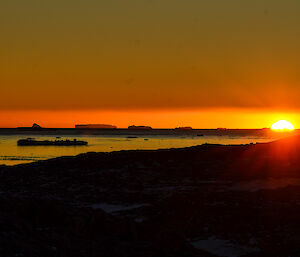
(282, 125)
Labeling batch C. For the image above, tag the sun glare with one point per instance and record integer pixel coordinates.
(282, 125)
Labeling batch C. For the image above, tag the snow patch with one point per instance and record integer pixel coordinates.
(110, 208)
(224, 248)
(268, 184)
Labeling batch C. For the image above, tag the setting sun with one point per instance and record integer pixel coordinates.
(282, 125)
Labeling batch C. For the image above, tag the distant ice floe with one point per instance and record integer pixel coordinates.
(110, 208)
(225, 248)
(20, 158)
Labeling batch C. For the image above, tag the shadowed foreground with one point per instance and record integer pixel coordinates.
(208, 200)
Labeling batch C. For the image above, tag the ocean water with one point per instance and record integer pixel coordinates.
(11, 154)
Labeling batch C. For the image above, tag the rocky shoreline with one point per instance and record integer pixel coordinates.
(208, 200)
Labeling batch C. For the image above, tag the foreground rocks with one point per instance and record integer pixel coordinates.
(208, 200)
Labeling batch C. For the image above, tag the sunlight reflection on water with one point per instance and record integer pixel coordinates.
(11, 154)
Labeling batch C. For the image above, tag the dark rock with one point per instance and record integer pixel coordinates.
(154, 203)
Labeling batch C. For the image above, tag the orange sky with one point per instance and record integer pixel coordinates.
(164, 63)
(157, 119)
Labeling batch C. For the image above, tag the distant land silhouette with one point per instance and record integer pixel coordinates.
(139, 127)
(183, 128)
(95, 126)
(34, 126)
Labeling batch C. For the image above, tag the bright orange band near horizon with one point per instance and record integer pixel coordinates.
(232, 118)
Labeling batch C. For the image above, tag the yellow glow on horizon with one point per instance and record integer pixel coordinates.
(282, 125)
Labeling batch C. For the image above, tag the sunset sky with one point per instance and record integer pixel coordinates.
(162, 63)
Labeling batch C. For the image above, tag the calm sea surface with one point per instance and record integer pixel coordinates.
(11, 154)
